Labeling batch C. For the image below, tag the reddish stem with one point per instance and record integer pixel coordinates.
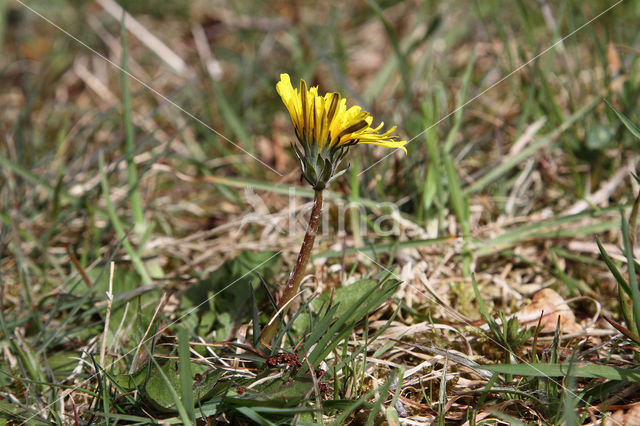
(293, 283)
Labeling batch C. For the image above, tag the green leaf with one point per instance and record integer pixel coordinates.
(286, 391)
(158, 392)
(224, 297)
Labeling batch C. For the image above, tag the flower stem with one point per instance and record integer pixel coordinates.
(293, 283)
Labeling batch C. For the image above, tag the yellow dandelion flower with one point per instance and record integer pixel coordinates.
(325, 128)
(326, 120)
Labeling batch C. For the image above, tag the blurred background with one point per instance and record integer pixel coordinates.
(203, 101)
(202, 105)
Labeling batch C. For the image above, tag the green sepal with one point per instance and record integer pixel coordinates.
(327, 170)
(337, 175)
(320, 166)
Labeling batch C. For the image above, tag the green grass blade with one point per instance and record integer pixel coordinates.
(186, 420)
(613, 268)
(320, 328)
(118, 227)
(552, 106)
(231, 117)
(383, 247)
(35, 179)
(132, 174)
(375, 409)
(354, 354)
(402, 63)
(360, 402)
(508, 419)
(29, 361)
(253, 415)
(569, 398)
(455, 192)
(547, 229)
(398, 385)
(627, 123)
(633, 280)
(593, 371)
(255, 317)
(186, 380)
(345, 323)
(356, 220)
(530, 150)
(461, 98)
(460, 204)
(435, 169)
(488, 388)
(3, 21)
(483, 308)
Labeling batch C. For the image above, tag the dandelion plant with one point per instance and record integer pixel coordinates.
(325, 130)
